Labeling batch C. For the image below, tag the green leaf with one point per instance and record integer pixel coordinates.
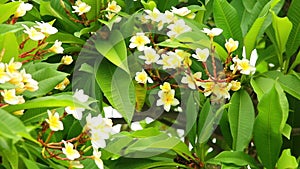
(10, 157)
(65, 38)
(10, 46)
(262, 85)
(29, 163)
(140, 95)
(238, 158)
(282, 28)
(210, 116)
(7, 10)
(267, 132)
(287, 130)
(12, 127)
(53, 101)
(251, 37)
(95, 10)
(46, 75)
(117, 87)
(241, 119)
(226, 17)
(4, 28)
(287, 161)
(192, 111)
(114, 49)
(296, 62)
(293, 42)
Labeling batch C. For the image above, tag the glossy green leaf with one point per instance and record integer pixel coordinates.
(29, 163)
(252, 35)
(10, 46)
(7, 10)
(46, 75)
(117, 87)
(238, 158)
(53, 101)
(261, 85)
(287, 161)
(241, 119)
(267, 132)
(226, 17)
(114, 49)
(192, 111)
(12, 127)
(140, 95)
(286, 131)
(10, 157)
(282, 28)
(95, 10)
(293, 41)
(65, 38)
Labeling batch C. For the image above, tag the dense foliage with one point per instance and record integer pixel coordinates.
(149, 84)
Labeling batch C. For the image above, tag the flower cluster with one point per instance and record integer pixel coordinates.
(217, 84)
(11, 73)
(112, 10)
(97, 130)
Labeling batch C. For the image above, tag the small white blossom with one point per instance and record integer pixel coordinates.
(178, 28)
(150, 56)
(54, 122)
(113, 7)
(66, 60)
(139, 41)
(192, 80)
(75, 111)
(154, 15)
(201, 54)
(170, 60)
(181, 11)
(142, 77)
(81, 7)
(97, 158)
(167, 99)
(57, 48)
(22, 9)
(69, 151)
(33, 33)
(80, 96)
(46, 28)
(213, 32)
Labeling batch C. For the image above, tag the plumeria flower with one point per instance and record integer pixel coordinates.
(167, 99)
(53, 120)
(97, 158)
(167, 17)
(142, 77)
(13, 66)
(231, 45)
(208, 87)
(245, 66)
(4, 77)
(181, 11)
(154, 15)
(178, 28)
(201, 54)
(191, 16)
(150, 56)
(80, 96)
(185, 56)
(75, 111)
(213, 32)
(69, 151)
(221, 90)
(22, 9)
(66, 60)
(62, 85)
(46, 28)
(139, 41)
(111, 16)
(57, 48)
(166, 87)
(192, 80)
(33, 33)
(235, 85)
(113, 7)
(100, 130)
(81, 7)
(31, 85)
(170, 60)
(10, 97)
(76, 164)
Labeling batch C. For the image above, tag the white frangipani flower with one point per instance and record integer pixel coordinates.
(170, 60)
(80, 96)
(142, 77)
(192, 80)
(54, 122)
(81, 7)
(69, 151)
(113, 7)
(167, 99)
(139, 41)
(97, 158)
(46, 28)
(57, 48)
(33, 33)
(150, 56)
(201, 54)
(212, 32)
(181, 11)
(75, 111)
(154, 15)
(22, 9)
(178, 28)
(245, 66)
